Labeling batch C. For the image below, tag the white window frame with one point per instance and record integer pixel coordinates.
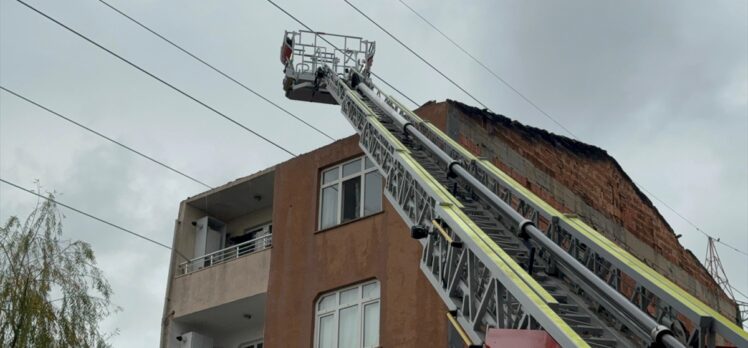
(339, 181)
(264, 229)
(252, 344)
(335, 311)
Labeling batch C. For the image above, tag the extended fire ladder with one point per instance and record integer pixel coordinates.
(498, 256)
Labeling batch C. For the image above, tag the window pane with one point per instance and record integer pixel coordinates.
(330, 175)
(368, 164)
(371, 325)
(352, 168)
(329, 208)
(349, 296)
(348, 331)
(351, 205)
(373, 194)
(326, 303)
(371, 290)
(326, 332)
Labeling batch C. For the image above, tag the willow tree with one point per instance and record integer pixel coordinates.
(52, 294)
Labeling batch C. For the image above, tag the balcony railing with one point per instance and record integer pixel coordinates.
(226, 254)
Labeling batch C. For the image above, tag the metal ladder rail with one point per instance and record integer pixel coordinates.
(576, 232)
(617, 304)
(419, 200)
(594, 330)
(549, 299)
(575, 310)
(485, 172)
(594, 340)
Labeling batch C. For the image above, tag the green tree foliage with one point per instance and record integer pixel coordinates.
(52, 294)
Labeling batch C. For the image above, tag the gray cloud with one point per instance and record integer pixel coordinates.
(662, 86)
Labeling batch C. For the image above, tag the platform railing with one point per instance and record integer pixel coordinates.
(226, 254)
(344, 52)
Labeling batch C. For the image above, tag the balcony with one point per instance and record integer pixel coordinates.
(219, 278)
(235, 277)
(225, 255)
(239, 323)
(227, 235)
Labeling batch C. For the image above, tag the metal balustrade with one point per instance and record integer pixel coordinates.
(226, 254)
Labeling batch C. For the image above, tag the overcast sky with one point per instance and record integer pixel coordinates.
(662, 86)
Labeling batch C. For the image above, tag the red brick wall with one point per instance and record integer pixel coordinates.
(587, 171)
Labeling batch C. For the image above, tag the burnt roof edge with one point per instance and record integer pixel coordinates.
(576, 147)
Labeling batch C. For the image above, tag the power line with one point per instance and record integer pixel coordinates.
(689, 221)
(158, 79)
(471, 96)
(738, 291)
(105, 137)
(394, 88)
(92, 217)
(281, 147)
(519, 93)
(331, 44)
(215, 69)
(417, 55)
(534, 105)
(493, 73)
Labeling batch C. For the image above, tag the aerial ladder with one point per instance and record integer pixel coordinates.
(497, 255)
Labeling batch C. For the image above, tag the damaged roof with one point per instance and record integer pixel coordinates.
(574, 146)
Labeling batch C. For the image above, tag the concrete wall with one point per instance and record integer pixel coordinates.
(581, 179)
(169, 334)
(183, 244)
(184, 240)
(306, 263)
(225, 282)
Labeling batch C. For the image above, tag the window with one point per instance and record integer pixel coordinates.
(254, 234)
(252, 344)
(348, 318)
(349, 191)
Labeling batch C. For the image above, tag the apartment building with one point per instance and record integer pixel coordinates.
(299, 255)
(310, 254)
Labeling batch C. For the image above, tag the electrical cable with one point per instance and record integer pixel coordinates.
(738, 291)
(158, 79)
(215, 69)
(689, 221)
(126, 147)
(418, 55)
(283, 148)
(539, 109)
(92, 216)
(330, 43)
(490, 71)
